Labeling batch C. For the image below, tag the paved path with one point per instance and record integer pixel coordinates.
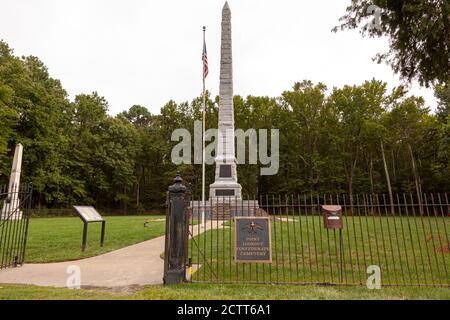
(140, 264)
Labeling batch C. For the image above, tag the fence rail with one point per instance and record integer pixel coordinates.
(406, 238)
(14, 217)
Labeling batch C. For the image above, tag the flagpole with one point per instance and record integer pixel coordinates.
(204, 141)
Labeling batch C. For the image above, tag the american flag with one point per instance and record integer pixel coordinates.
(205, 61)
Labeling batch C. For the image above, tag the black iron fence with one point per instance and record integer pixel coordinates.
(405, 239)
(15, 203)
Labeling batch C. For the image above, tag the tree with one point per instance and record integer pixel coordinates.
(256, 113)
(407, 123)
(137, 115)
(42, 110)
(115, 157)
(307, 105)
(88, 118)
(442, 94)
(358, 109)
(8, 119)
(418, 31)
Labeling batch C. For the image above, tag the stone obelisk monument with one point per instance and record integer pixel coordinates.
(11, 207)
(226, 183)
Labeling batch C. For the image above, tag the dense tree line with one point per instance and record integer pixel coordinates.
(351, 140)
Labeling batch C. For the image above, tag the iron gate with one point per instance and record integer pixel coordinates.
(15, 202)
(406, 238)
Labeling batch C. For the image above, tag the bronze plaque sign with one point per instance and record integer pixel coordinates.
(224, 193)
(225, 171)
(252, 240)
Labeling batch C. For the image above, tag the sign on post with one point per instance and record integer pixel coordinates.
(252, 240)
(90, 215)
(332, 216)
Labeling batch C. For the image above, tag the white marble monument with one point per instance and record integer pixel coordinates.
(225, 194)
(11, 207)
(226, 183)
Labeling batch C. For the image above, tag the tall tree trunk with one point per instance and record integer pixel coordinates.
(416, 179)
(124, 201)
(138, 191)
(350, 176)
(388, 178)
(371, 176)
(394, 171)
(350, 188)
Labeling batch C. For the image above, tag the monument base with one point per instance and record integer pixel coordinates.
(4, 215)
(226, 209)
(223, 191)
(175, 276)
(11, 210)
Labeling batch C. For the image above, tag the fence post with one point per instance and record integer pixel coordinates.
(174, 254)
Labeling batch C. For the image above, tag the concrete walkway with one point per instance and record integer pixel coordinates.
(137, 265)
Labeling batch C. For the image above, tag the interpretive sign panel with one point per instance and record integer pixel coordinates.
(88, 214)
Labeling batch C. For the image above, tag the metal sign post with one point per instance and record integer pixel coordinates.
(90, 215)
(332, 216)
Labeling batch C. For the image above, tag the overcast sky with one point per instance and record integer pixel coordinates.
(149, 51)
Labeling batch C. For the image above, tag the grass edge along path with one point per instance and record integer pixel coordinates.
(59, 239)
(225, 292)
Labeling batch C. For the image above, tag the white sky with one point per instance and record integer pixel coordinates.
(148, 52)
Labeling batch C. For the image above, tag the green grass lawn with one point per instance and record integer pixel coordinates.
(59, 239)
(301, 253)
(409, 251)
(225, 292)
